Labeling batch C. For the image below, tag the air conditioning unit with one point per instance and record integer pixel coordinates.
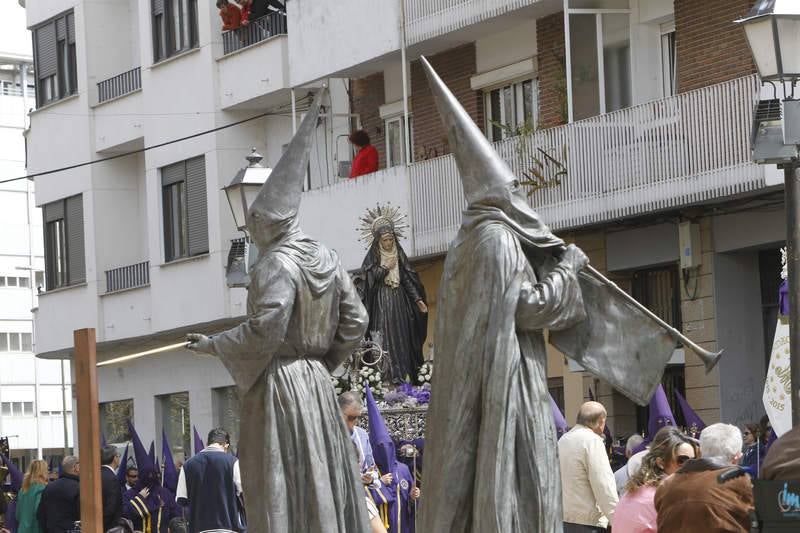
(769, 146)
(237, 272)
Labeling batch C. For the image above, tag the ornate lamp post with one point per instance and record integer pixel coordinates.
(772, 28)
(241, 192)
(244, 188)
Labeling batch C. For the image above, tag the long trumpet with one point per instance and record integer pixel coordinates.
(709, 358)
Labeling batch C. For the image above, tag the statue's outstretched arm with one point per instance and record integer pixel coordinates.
(353, 322)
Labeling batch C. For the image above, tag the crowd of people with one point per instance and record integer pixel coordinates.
(207, 494)
(676, 483)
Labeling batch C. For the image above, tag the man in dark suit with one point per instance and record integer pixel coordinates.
(112, 492)
(60, 505)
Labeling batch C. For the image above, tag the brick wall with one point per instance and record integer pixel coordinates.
(710, 48)
(368, 96)
(552, 61)
(455, 67)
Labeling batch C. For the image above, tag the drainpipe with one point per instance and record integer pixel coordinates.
(404, 60)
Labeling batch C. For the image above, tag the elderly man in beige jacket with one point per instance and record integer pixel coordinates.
(589, 491)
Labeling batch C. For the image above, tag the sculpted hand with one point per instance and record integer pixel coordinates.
(422, 307)
(199, 343)
(386, 479)
(575, 258)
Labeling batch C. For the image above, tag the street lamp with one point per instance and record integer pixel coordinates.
(772, 28)
(245, 187)
(240, 193)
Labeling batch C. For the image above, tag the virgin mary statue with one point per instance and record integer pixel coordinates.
(392, 294)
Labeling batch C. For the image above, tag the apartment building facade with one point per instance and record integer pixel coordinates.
(626, 118)
(32, 416)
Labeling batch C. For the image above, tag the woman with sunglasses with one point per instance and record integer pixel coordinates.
(636, 512)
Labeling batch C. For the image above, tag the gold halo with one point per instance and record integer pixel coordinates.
(378, 216)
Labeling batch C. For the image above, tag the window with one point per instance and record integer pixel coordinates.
(658, 290)
(511, 108)
(65, 261)
(173, 413)
(55, 59)
(17, 408)
(669, 73)
(11, 281)
(114, 417)
(395, 142)
(185, 209)
(600, 65)
(15, 342)
(174, 27)
(39, 279)
(227, 407)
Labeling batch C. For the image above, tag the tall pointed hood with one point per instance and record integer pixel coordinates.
(478, 163)
(660, 413)
(279, 198)
(382, 445)
(170, 476)
(152, 452)
(558, 417)
(694, 424)
(122, 471)
(15, 476)
(148, 471)
(490, 187)
(198, 442)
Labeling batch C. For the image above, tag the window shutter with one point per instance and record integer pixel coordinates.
(197, 205)
(158, 7)
(173, 173)
(76, 257)
(53, 211)
(61, 29)
(47, 61)
(71, 28)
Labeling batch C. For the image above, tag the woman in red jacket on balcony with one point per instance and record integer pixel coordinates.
(366, 160)
(230, 14)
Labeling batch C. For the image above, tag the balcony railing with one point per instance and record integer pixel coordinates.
(119, 85)
(664, 154)
(426, 19)
(128, 277)
(256, 31)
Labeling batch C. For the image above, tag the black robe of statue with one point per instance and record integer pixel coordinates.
(394, 312)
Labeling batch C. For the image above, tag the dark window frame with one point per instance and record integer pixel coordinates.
(65, 266)
(190, 224)
(64, 81)
(173, 250)
(165, 16)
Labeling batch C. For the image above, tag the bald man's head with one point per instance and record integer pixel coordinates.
(593, 416)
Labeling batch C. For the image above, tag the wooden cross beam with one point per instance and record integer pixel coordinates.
(88, 430)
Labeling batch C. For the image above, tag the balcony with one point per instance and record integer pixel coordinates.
(665, 154)
(118, 113)
(258, 30)
(254, 67)
(119, 85)
(128, 277)
(427, 19)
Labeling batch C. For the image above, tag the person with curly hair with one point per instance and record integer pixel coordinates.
(636, 511)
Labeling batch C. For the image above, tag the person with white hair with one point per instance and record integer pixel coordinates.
(710, 493)
(624, 472)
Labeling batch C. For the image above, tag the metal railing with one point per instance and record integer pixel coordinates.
(663, 154)
(128, 277)
(426, 19)
(256, 31)
(119, 85)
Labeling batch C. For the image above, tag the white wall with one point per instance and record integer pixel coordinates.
(15, 39)
(507, 47)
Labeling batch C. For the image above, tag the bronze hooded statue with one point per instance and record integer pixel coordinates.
(304, 318)
(491, 461)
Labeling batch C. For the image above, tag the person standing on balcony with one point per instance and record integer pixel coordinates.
(230, 14)
(366, 159)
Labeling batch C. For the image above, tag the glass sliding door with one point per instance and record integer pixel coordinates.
(584, 65)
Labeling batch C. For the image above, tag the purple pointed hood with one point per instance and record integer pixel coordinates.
(694, 424)
(15, 476)
(170, 477)
(198, 442)
(148, 471)
(558, 416)
(122, 471)
(783, 298)
(382, 445)
(152, 452)
(660, 413)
